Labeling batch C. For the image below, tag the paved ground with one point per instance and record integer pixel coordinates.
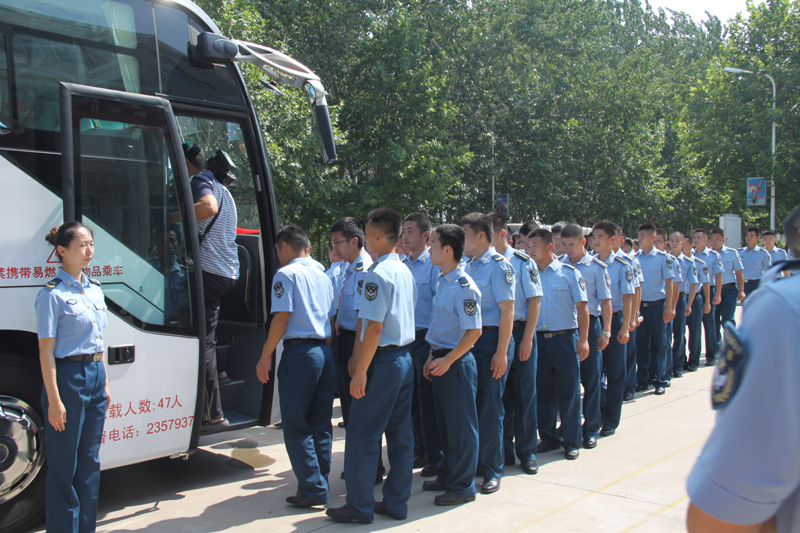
(632, 481)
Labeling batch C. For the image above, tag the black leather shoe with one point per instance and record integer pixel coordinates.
(381, 509)
(571, 453)
(677, 374)
(642, 387)
(301, 501)
(420, 462)
(628, 397)
(691, 368)
(545, 447)
(342, 476)
(343, 515)
(669, 384)
(434, 485)
(448, 498)
(530, 467)
(490, 485)
(607, 432)
(660, 390)
(590, 442)
(510, 461)
(429, 471)
(711, 363)
(341, 425)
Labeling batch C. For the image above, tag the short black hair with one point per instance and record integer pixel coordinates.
(453, 236)
(422, 221)
(294, 236)
(350, 228)
(718, 231)
(609, 228)
(682, 234)
(498, 222)
(768, 232)
(753, 229)
(387, 221)
(543, 234)
(195, 155)
(663, 233)
(620, 231)
(479, 222)
(700, 230)
(648, 227)
(528, 227)
(556, 228)
(572, 231)
(629, 241)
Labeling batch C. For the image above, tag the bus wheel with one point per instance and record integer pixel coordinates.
(22, 461)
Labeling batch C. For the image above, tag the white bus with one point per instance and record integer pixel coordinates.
(96, 97)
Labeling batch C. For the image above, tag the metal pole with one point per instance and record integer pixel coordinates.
(772, 173)
(494, 170)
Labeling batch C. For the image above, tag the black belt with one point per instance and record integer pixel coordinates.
(438, 354)
(489, 327)
(343, 332)
(551, 334)
(728, 285)
(296, 342)
(753, 280)
(617, 314)
(84, 358)
(420, 334)
(389, 347)
(681, 293)
(655, 303)
(520, 323)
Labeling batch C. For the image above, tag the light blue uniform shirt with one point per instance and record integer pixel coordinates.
(303, 290)
(656, 269)
(688, 273)
(778, 254)
(426, 276)
(336, 274)
(351, 291)
(456, 309)
(598, 282)
(749, 470)
(701, 269)
(755, 262)
(389, 296)
(713, 262)
(622, 280)
(562, 288)
(495, 278)
(528, 283)
(74, 312)
(731, 264)
(677, 269)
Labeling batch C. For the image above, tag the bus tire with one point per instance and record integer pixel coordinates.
(22, 505)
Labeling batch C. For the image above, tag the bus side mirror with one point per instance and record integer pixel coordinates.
(212, 49)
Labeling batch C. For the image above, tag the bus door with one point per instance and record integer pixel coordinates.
(124, 176)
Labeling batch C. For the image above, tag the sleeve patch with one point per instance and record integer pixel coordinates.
(629, 276)
(470, 307)
(534, 275)
(670, 263)
(731, 364)
(509, 276)
(608, 280)
(278, 289)
(582, 283)
(360, 285)
(705, 270)
(371, 291)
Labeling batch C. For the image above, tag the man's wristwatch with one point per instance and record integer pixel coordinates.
(607, 334)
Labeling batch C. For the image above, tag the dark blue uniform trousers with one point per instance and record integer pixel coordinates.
(710, 329)
(750, 286)
(427, 432)
(519, 403)
(558, 385)
(726, 310)
(384, 409)
(591, 374)
(343, 352)
(489, 401)
(679, 335)
(630, 362)
(652, 346)
(614, 366)
(694, 323)
(454, 395)
(306, 383)
(73, 462)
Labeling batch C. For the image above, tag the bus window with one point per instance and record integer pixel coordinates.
(5, 89)
(127, 195)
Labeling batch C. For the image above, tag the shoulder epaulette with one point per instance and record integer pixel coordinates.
(698, 259)
(463, 281)
(359, 266)
(621, 260)
(372, 266)
(92, 280)
(522, 255)
(599, 262)
(569, 266)
(498, 257)
(52, 283)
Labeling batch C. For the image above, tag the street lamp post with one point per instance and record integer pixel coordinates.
(772, 172)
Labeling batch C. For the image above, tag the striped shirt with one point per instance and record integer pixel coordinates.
(218, 252)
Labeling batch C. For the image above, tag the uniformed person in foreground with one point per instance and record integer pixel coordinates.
(382, 382)
(700, 306)
(562, 342)
(755, 260)
(748, 476)
(70, 317)
(519, 397)
(454, 328)
(494, 350)
(687, 290)
(301, 302)
(732, 282)
(713, 261)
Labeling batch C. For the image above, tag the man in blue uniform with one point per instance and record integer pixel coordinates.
(382, 381)
(687, 290)
(747, 477)
(775, 253)
(455, 326)
(700, 305)
(621, 275)
(493, 352)
(662, 244)
(301, 302)
(416, 230)
(519, 397)
(598, 291)
(713, 261)
(732, 281)
(562, 342)
(755, 260)
(636, 319)
(651, 338)
(556, 231)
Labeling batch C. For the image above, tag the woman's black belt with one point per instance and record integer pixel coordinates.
(84, 358)
(295, 342)
(438, 354)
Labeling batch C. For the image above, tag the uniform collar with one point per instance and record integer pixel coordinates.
(359, 259)
(723, 250)
(708, 250)
(756, 248)
(488, 255)
(654, 251)
(385, 257)
(306, 259)
(683, 256)
(425, 256)
(453, 276)
(555, 265)
(67, 278)
(585, 260)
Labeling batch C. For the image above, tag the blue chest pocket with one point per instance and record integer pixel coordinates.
(101, 311)
(75, 318)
